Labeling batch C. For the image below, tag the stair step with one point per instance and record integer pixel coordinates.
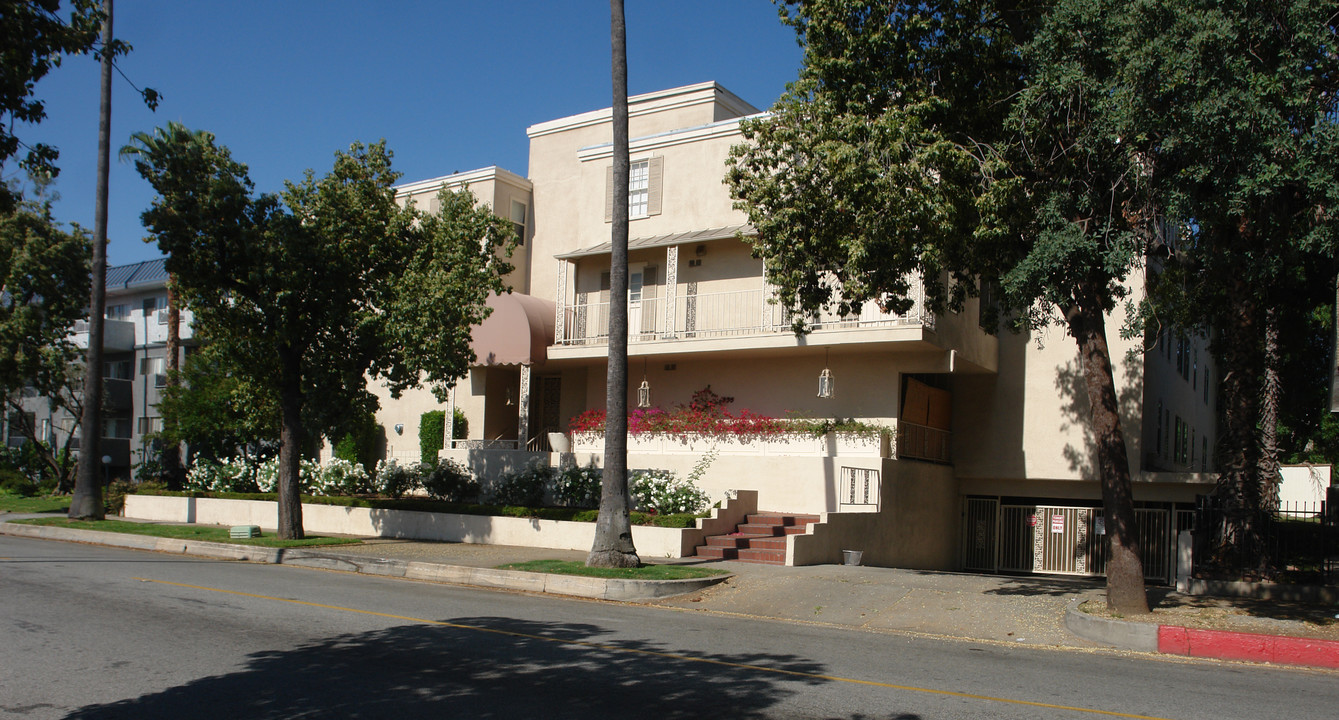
(747, 541)
(760, 539)
(771, 557)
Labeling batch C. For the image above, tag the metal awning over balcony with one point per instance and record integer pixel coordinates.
(655, 241)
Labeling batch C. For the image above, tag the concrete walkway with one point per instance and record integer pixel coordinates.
(1031, 610)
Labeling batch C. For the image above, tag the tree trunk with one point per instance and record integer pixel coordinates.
(170, 458)
(291, 436)
(613, 545)
(1124, 569)
(1235, 543)
(87, 500)
(1268, 463)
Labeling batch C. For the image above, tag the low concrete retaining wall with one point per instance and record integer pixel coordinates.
(445, 527)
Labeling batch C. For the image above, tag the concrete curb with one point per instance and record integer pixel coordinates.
(571, 585)
(1212, 644)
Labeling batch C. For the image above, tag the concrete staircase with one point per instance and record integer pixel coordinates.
(760, 539)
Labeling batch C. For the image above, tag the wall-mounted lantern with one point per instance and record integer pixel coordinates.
(827, 385)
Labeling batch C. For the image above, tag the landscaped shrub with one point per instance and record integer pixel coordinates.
(431, 430)
(13, 482)
(664, 493)
(338, 477)
(449, 480)
(395, 480)
(578, 486)
(526, 487)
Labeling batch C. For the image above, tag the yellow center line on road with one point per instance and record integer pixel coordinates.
(666, 655)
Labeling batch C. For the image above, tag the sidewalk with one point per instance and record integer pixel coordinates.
(1028, 610)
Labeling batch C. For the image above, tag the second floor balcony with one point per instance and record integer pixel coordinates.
(734, 313)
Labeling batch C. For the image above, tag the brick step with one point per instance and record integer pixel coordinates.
(773, 530)
(770, 557)
(772, 542)
(720, 553)
(780, 519)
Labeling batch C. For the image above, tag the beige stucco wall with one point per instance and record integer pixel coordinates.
(568, 169)
(1031, 419)
(916, 525)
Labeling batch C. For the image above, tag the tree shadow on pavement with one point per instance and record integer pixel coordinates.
(482, 667)
(1049, 586)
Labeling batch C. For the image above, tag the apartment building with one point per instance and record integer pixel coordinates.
(134, 368)
(987, 463)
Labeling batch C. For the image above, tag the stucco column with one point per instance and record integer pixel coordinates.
(671, 289)
(523, 408)
(560, 304)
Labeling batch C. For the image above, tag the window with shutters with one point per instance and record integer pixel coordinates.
(644, 191)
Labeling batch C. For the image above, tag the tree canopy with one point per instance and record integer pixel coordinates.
(961, 142)
(43, 281)
(308, 292)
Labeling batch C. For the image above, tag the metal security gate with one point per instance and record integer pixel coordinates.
(979, 534)
(1057, 539)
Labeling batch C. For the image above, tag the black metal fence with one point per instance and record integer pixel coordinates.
(1297, 543)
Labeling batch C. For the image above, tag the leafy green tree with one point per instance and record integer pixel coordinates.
(308, 293)
(43, 279)
(957, 141)
(613, 545)
(1239, 98)
(36, 37)
(217, 411)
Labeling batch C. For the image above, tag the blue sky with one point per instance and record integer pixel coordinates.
(450, 85)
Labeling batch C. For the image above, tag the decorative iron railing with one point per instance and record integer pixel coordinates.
(719, 314)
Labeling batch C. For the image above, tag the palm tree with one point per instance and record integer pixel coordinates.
(86, 503)
(613, 531)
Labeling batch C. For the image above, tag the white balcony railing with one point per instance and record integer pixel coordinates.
(740, 312)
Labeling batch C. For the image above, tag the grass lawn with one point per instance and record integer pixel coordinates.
(645, 572)
(14, 503)
(185, 532)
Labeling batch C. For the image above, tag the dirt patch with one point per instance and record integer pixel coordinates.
(1234, 615)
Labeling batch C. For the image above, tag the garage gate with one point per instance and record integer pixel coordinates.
(1058, 539)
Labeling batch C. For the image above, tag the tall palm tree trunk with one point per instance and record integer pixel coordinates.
(87, 499)
(613, 531)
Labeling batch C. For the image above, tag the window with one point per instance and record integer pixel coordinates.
(150, 305)
(518, 220)
(1204, 454)
(117, 312)
(1159, 435)
(644, 191)
(152, 365)
(116, 427)
(116, 369)
(638, 188)
(150, 425)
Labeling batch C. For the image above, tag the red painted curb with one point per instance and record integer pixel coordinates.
(1225, 645)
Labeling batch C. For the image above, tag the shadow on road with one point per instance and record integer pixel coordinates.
(482, 667)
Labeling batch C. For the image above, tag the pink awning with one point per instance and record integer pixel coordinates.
(518, 332)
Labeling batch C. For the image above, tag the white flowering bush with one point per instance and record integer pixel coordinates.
(525, 488)
(230, 475)
(450, 481)
(578, 486)
(338, 477)
(394, 479)
(664, 493)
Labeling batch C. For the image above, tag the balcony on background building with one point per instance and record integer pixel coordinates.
(117, 335)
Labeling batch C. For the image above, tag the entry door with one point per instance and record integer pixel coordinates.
(636, 281)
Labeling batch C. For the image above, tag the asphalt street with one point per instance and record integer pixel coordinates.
(94, 632)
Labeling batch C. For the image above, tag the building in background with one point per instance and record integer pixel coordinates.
(134, 368)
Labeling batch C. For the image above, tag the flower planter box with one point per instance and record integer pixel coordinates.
(829, 445)
(444, 527)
